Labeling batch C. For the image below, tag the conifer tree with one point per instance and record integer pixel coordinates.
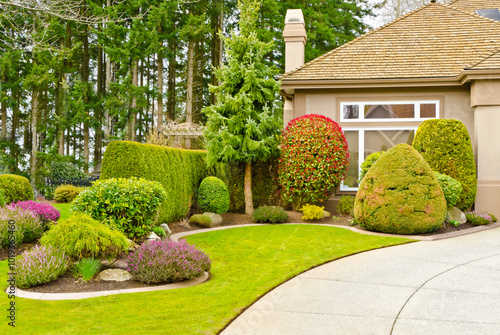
(243, 126)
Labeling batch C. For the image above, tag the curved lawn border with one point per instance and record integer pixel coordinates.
(85, 295)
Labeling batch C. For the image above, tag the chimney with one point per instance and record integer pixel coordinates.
(295, 37)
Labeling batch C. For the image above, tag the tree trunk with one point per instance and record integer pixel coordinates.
(171, 80)
(3, 108)
(133, 115)
(248, 189)
(34, 144)
(159, 109)
(189, 81)
(86, 93)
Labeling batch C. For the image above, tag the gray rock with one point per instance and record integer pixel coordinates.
(153, 237)
(326, 214)
(167, 230)
(120, 263)
(114, 275)
(455, 214)
(216, 218)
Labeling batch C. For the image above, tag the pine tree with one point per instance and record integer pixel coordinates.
(243, 126)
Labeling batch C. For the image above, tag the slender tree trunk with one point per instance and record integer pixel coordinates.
(85, 80)
(34, 143)
(3, 107)
(159, 108)
(15, 124)
(171, 78)
(248, 189)
(133, 115)
(189, 81)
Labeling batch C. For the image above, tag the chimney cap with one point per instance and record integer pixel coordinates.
(294, 16)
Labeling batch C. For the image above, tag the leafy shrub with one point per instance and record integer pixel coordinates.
(400, 195)
(67, 193)
(314, 159)
(367, 164)
(167, 262)
(201, 219)
(65, 170)
(346, 205)
(16, 188)
(81, 236)
(479, 218)
(312, 212)
(271, 214)
(445, 144)
(451, 188)
(40, 264)
(159, 231)
(28, 226)
(86, 268)
(213, 196)
(132, 205)
(46, 212)
(3, 199)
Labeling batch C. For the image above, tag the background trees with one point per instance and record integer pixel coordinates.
(76, 74)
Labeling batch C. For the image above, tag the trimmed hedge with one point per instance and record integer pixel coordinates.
(179, 171)
(445, 144)
(16, 188)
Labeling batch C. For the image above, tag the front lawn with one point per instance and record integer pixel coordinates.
(247, 262)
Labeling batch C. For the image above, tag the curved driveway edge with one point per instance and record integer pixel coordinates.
(85, 295)
(448, 287)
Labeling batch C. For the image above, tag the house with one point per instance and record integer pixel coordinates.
(439, 61)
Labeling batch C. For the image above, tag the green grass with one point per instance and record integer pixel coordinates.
(247, 262)
(64, 209)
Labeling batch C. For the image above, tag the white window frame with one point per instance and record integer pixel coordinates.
(362, 104)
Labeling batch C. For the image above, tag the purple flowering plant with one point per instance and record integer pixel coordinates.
(478, 218)
(47, 212)
(167, 262)
(40, 264)
(27, 225)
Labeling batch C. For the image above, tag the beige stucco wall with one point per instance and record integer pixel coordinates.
(487, 121)
(485, 93)
(455, 101)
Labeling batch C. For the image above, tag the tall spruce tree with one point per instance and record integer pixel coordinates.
(243, 125)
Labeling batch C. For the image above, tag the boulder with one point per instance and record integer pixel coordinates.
(153, 237)
(455, 214)
(120, 263)
(114, 275)
(167, 230)
(326, 214)
(216, 218)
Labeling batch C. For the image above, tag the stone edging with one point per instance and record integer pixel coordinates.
(85, 295)
(176, 237)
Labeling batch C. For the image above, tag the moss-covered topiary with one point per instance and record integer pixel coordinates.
(446, 146)
(400, 195)
(67, 193)
(201, 219)
(213, 196)
(16, 188)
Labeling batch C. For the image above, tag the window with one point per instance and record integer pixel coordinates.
(378, 126)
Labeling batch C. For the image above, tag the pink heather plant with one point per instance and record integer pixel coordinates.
(167, 262)
(478, 218)
(28, 226)
(41, 264)
(47, 212)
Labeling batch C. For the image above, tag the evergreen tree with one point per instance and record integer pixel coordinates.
(243, 126)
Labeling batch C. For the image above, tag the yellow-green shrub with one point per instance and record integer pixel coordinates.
(67, 193)
(16, 188)
(312, 212)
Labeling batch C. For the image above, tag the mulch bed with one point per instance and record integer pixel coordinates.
(68, 284)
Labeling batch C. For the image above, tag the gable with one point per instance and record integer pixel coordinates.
(435, 41)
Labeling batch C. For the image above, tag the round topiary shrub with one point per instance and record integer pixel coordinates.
(67, 193)
(167, 262)
(451, 188)
(314, 159)
(81, 236)
(400, 195)
(132, 205)
(213, 195)
(367, 164)
(16, 188)
(269, 214)
(445, 144)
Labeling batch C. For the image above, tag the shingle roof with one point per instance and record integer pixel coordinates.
(491, 62)
(434, 41)
(470, 6)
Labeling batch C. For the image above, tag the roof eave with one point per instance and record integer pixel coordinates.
(471, 74)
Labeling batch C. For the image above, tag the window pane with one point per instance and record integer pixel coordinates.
(382, 140)
(406, 111)
(351, 112)
(351, 179)
(428, 110)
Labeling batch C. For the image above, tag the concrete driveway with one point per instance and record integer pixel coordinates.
(449, 286)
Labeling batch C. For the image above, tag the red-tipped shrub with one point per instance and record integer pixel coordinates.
(314, 159)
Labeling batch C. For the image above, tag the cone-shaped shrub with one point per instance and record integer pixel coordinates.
(446, 146)
(314, 159)
(400, 195)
